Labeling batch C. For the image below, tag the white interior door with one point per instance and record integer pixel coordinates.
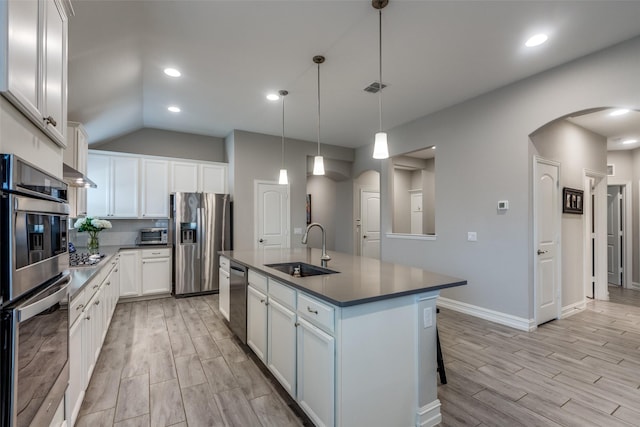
(271, 215)
(416, 213)
(370, 224)
(614, 235)
(547, 236)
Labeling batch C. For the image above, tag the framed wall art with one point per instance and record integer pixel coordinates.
(308, 209)
(572, 201)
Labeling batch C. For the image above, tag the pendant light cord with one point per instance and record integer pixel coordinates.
(318, 109)
(282, 131)
(380, 81)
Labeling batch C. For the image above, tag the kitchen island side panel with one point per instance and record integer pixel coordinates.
(386, 363)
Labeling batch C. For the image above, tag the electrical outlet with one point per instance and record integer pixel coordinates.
(297, 230)
(427, 316)
(472, 236)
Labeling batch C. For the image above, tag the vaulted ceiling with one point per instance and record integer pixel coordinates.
(232, 53)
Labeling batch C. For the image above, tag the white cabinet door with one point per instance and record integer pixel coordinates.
(124, 188)
(223, 298)
(184, 177)
(112, 287)
(76, 383)
(155, 188)
(257, 322)
(316, 362)
(130, 273)
(21, 78)
(281, 351)
(156, 275)
(54, 105)
(98, 199)
(212, 178)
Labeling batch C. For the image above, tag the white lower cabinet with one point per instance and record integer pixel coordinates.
(156, 271)
(296, 346)
(145, 272)
(316, 370)
(224, 287)
(130, 273)
(257, 322)
(90, 313)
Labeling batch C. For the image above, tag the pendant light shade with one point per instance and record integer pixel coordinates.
(380, 146)
(318, 161)
(318, 165)
(283, 179)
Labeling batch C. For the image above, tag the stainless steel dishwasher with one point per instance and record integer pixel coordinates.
(238, 300)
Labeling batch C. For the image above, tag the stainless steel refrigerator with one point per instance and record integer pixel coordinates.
(199, 228)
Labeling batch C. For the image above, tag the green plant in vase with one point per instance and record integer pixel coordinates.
(93, 226)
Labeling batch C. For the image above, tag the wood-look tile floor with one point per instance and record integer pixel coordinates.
(171, 362)
(580, 371)
(174, 362)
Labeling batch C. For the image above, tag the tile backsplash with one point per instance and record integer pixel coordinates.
(123, 232)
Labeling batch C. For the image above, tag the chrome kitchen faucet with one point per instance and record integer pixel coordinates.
(324, 259)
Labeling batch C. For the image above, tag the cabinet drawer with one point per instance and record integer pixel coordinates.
(316, 312)
(282, 293)
(156, 253)
(224, 264)
(76, 306)
(258, 281)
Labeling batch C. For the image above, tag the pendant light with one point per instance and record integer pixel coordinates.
(380, 147)
(318, 161)
(284, 180)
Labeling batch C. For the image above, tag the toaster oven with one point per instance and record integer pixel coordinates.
(153, 236)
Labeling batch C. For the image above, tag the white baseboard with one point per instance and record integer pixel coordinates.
(484, 313)
(635, 285)
(429, 415)
(572, 309)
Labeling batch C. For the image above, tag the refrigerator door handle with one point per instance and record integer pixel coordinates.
(199, 231)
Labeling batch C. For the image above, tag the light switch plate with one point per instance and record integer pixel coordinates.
(472, 236)
(503, 205)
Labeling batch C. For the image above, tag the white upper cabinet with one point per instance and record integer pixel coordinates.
(117, 181)
(33, 70)
(75, 155)
(184, 177)
(194, 177)
(155, 188)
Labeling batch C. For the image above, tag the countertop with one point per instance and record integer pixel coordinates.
(360, 280)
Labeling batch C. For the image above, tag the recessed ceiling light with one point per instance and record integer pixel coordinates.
(536, 40)
(172, 72)
(273, 97)
(433, 147)
(619, 112)
(629, 141)
(174, 109)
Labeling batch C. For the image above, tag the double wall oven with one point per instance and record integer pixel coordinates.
(34, 348)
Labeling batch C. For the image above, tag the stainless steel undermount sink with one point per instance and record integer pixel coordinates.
(300, 269)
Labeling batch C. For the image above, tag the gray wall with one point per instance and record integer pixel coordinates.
(158, 142)
(323, 210)
(484, 155)
(258, 157)
(429, 197)
(627, 169)
(401, 201)
(576, 149)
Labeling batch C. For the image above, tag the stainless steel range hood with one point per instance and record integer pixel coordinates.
(76, 178)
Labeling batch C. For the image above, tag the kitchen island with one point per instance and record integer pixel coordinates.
(355, 347)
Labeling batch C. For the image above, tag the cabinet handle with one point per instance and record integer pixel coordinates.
(50, 121)
(156, 253)
(97, 302)
(80, 307)
(296, 324)
(108, 283)
(116, 270)
(88, 318)
(96, 286)
(262, 301)
(312, 311)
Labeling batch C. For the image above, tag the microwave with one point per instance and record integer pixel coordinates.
(152, 236)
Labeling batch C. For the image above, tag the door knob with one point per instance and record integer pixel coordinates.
(364, 237)
(261, 240)
(540, 252)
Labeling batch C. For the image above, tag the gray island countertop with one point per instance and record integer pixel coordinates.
(360, 280)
